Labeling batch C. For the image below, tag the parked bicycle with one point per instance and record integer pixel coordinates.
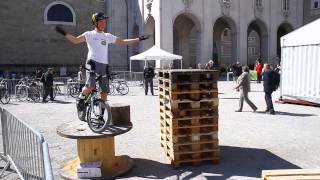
(95, 111)
(73, 88)
(118, 85)
(4, 92)
(28, 89)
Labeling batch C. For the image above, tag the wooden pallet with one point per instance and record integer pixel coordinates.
(192, 147)
(189, 75)
(186, 86)
(191, 138)
(188, 104)
(186, 124)
(189, 113)
(190, 130)
(194, 95)
(292, 174)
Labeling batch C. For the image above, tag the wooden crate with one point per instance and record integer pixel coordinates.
(291, 174)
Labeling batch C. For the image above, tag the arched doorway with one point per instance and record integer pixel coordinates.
(224, 51)
(257, 37)
(186, 40)
(283, 29)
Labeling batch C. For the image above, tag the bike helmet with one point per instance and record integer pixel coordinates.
(96, 17)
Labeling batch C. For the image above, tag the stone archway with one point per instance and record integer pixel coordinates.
(186, 40)
(257, 37)
(224, 51)
(283, 29)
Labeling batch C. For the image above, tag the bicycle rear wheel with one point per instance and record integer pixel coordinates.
(123, 88)
(98, 116)
(5, 96)
(73, 91)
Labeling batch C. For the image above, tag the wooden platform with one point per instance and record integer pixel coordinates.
(80, 130)
(95, 147)
(291, 174)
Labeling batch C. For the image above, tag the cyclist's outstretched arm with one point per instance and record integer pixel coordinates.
(75, 40)
(126, 42)
(70, 37)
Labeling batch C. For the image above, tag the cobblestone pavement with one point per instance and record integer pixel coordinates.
(250, 142)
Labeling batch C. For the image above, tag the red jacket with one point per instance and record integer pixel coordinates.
(259, 68)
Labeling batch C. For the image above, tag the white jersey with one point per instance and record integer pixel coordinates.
(97, 43)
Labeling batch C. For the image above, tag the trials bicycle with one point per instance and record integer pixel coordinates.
(94, 110)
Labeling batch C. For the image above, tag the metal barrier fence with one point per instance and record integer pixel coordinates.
(132, 78)
(24, 149)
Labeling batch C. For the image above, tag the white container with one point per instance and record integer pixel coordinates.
(300, 63)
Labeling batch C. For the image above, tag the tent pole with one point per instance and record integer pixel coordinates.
(130, 64)
(181, 64)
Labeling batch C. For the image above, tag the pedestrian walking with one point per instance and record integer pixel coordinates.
(259, 70)
(97, 59)
(47, 80)
(148, 74)
(243, 83)
(81, 78)
(271, 80)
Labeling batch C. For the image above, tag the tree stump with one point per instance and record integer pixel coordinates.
(120, 113)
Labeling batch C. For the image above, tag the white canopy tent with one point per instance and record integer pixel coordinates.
(155, 53)
(300, 63)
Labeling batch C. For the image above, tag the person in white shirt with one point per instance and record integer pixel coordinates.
(97, 59)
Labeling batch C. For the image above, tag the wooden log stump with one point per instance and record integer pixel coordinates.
(120, 114)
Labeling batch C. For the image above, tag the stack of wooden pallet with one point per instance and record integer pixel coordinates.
(189, 116)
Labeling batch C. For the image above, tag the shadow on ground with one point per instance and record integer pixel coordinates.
(60, 102)
(235, 162)
(294, 114)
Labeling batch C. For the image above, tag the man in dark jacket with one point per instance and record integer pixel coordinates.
(269, 87)
(148, 74)
(47, 81)
(237, 70)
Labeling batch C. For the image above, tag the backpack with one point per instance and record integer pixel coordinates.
(275, 80)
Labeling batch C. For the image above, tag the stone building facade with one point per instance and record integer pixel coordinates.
(29, 41)
(311, 10)
(195, 28)
(199, 30)
(27, 37)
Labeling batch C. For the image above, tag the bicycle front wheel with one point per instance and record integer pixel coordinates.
(123, 88)
(98, 116)
(5, 96)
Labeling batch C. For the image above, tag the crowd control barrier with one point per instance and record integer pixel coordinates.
(24, 149)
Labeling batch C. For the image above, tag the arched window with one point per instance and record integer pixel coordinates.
(59, 12)
(285, 5)
(258, 3)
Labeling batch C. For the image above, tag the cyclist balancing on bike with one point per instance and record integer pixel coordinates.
(97, 59)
